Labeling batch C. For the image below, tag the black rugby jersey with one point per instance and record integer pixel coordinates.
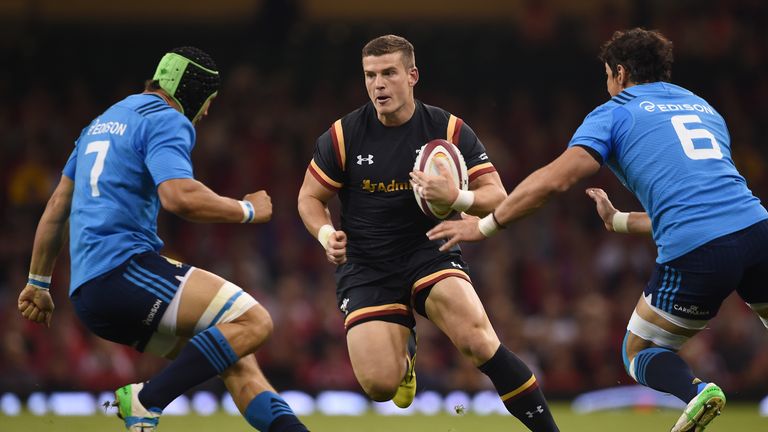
(368, 164)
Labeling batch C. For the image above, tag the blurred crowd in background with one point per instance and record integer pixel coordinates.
(558, 288)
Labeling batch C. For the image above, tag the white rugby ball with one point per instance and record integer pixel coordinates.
(426, 161)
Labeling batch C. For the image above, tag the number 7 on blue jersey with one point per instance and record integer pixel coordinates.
(100, 148)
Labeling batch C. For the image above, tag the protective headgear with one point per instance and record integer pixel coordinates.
(190, 77)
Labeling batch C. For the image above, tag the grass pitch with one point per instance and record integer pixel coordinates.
(741, 418)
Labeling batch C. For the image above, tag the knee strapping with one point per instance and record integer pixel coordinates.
(655, 334)
(229, 303)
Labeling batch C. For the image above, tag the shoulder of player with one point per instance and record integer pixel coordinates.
(153, 108)
(435, 113)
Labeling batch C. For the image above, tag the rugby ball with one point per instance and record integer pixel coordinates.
(427, 160)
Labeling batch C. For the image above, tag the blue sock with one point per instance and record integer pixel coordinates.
(663, 370)
(205, 356)
(268, 412)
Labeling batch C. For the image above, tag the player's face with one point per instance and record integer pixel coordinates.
(389, 83)
(613, 82)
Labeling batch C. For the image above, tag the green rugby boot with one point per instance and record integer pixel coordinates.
(407, 389)
(701, 410)
(136, 417)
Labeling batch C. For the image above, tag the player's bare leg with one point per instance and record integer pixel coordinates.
(454, 307)
(225, 326)
(378, 353)
(244, 381)
(650, 357)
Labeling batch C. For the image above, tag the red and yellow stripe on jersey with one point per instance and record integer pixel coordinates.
(337, 137)
(454, 129)
(452, 134)
(375, 311)
(436, 277)
(478, 170)
(322, 177)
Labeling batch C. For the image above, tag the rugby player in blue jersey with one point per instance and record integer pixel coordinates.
(132, 159)
(673, 151)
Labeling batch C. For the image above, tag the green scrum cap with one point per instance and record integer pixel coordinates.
(190, 77)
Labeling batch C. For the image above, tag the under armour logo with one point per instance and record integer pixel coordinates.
(455, 265)
(343, 306)
(538, 409)
(361, 159)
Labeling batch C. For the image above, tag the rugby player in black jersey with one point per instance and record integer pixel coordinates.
(387, 267)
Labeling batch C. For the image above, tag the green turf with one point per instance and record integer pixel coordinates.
(741, 418)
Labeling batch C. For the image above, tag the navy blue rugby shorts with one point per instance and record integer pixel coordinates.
(125, 305)
(693, 286)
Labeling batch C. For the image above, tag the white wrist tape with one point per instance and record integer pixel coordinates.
(464, 200)
(248, 212)
(488, 225)
(620, 222)
(324, 234)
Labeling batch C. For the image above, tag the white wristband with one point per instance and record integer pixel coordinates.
(464, 200)
(620, 222)
(40, 281)
(248, 212)
(488, 225)
(324, 234)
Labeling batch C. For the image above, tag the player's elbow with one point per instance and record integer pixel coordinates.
(177, 204)
(178, 196)
(306, 203)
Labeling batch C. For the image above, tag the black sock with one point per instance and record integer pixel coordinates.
(519, 390)
(663, 370)
(205, 356)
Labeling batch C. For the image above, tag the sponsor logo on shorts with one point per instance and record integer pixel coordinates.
(690, 310)
(173, 261)
(343, 306)
(152, 312)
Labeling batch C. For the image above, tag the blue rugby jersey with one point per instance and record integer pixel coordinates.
(673, 151)
(117, 164)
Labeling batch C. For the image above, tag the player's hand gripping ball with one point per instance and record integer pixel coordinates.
(426, 162)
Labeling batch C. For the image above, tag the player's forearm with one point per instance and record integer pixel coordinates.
(528, 196)
(639, 223)
(487, 198)
(314, 213)
(195, 202)
(51, 234)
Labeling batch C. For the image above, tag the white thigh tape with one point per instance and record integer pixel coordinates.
(653, 333)
(228, 304)
(168, 321)
(686, 323)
